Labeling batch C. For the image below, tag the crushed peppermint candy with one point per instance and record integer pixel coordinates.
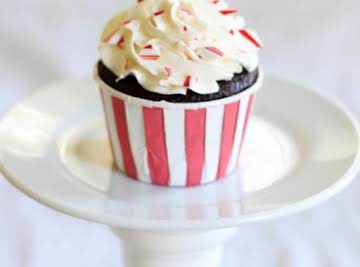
(248, 36)
(150, 57)
(215, 50)
(187, 81)
(149, 53)
(184, 48)
(148, 46)
(158, 13)
(228, 11)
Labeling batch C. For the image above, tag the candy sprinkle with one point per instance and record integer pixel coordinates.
(150, 57)
(215, 51)
(187, 81)
(248, 36)
(158, 13)
(228, 11)
(149, 46)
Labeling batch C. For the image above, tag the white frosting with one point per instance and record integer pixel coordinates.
(173, 45)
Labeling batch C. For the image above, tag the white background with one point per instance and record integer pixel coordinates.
(316, 42)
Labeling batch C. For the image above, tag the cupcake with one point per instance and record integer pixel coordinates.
(178, 80)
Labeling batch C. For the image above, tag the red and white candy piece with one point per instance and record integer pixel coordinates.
(228, 11)
(150, 53)
(187, 81)
(159, 13)
(215, 50)
(190, 81)
(209, 53)
(250, 38)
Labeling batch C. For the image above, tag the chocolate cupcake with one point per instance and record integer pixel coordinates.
(178, 80)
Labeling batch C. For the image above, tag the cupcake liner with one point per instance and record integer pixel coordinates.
(176, 144)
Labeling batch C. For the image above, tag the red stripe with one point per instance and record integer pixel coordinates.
(123, 135)
(195, 145)
(247, 117)
(156, 145)
(228, 134)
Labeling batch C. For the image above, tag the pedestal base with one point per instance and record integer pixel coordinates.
(174, 249)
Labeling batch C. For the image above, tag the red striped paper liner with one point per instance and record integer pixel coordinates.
(175, 144)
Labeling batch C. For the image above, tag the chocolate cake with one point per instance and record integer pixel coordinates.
(130, 86)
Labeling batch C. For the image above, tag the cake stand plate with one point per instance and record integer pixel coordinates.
(302, 148)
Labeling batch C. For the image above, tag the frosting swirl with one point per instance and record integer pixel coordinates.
(173, 45)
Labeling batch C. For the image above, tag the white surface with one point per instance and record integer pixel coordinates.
(68, 140)
(174, 249)
(315, 42)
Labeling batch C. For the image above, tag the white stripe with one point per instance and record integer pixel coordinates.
(238, 134)
(214, 125)
(175, 144)
(135, 122)
(112, 129)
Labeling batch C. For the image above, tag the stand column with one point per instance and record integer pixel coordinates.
(174, 249)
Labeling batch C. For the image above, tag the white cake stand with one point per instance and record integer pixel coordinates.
(302, 148)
